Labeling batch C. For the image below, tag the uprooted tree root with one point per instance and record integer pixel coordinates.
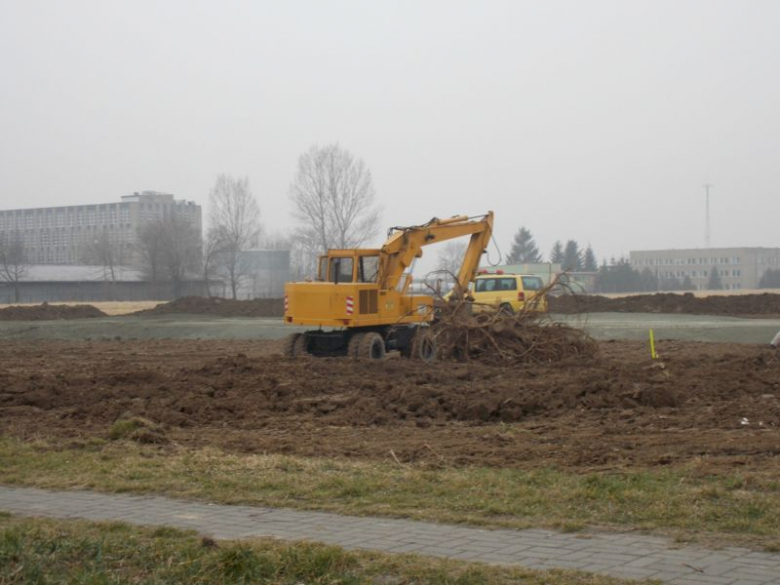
(497, 338)
(493, 336)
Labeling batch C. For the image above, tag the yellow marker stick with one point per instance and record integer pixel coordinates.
(652, 346)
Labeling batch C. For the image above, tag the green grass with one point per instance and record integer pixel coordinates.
(679, 501)
(34, 551)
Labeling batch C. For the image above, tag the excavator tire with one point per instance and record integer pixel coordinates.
(372, 346)
(424, 346)
(353, 347)
(295, 345)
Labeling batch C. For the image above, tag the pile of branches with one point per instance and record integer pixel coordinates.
(466, 331)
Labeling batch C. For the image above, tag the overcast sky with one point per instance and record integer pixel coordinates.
(599, 121)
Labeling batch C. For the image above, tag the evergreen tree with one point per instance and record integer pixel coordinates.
(572, 256)
(524, 249)
(687, 284)
(648, 280)
(556, 254)
(618, 277)
(714, 283)
(589, 263)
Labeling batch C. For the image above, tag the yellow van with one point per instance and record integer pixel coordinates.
(509, 292)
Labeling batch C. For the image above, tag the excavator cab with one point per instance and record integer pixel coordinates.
(345, 266)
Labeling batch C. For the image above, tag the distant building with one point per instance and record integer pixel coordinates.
(66, 283)
(60, 235)
(738, 268)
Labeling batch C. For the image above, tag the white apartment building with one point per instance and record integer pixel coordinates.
(60, 235)
(738, 268)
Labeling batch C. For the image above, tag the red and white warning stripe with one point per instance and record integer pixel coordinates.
(350, 305)
(286, 303)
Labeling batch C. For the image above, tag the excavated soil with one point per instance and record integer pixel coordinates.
(715, 404)
(750, 305)
(46, 312)
(219, 307)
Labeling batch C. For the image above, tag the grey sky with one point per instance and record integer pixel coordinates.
(598, 121)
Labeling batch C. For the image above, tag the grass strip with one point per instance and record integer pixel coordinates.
(36, 551)
(678, 500)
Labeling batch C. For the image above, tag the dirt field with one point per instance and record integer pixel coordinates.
(107, 307)
(716, 404)
(759, 305)
(46, 312)
(762, 305)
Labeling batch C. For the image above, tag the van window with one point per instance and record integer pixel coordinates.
(507, 283)
(486, 285)
(340, 270)
(532, 283)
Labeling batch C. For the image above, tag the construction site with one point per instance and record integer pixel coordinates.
(598, 406)
(506, 403)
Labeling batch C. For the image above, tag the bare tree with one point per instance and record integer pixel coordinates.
(212, 248)
(235, 216)
(450, 257)
(105, 251)
(13, 263)
(150, 242)
(334, 199)
(170, 250)
(181, 250)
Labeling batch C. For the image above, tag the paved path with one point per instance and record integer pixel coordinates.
(619, 555)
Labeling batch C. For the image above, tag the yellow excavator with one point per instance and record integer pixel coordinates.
(361, 302)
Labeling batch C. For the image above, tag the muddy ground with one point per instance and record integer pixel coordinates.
(715, 404)
(762, 305)
(47, 312)
(219, 307)
(765, 305)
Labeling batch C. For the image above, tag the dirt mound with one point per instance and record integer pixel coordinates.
(750, 305)
(219, 307)
(47, 312)
(718, 405)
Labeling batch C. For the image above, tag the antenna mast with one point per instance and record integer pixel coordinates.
(707, 239)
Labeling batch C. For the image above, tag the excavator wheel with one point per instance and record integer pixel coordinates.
(372, 346)
(353, 347)
(295, 345)
(424, 346)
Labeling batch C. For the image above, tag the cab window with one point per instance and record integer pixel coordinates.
(340, 270)
(532, 283)
(368, 266)
(322, 274)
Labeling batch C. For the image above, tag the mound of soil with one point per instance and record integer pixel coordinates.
(219, 307)
(47, 312)
(750, 305)
(715, 404)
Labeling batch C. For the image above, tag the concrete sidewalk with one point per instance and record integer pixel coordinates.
(619, 555)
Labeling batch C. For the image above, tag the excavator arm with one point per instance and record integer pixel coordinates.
(405, 244)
